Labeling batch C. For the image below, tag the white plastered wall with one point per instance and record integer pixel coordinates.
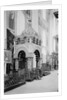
(20, 23)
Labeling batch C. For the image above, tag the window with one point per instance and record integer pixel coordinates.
(37, 41)
(11, 20)
(40, 42)
(33, 40)
(25, 39)
(28, 40)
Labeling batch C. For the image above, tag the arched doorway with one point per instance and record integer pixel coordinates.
(8, 68)
(22, 59)
(38, 67)
(37, 53)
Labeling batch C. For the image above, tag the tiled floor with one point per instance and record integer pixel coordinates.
(47, 83)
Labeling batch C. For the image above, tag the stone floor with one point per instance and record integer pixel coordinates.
(47, 83)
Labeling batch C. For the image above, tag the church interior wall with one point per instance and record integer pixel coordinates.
(52, 32)
(35, 20)
(47, 30)
(20, 23)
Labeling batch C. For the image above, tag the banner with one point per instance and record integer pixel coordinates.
(8, 56)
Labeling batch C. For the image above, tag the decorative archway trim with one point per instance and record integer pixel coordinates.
(38, 50)
(20, 49)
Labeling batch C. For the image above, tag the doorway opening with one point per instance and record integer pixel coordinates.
(37, 57)
(22, 59)
(8, 69)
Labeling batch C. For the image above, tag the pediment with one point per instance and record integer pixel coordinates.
(29, 32)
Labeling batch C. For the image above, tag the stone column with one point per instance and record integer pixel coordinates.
(40, 63)
(16, 65)
(56, 46)
(54, 43)
(30, 63)
(5, 69)
(40, 67)
(34, 61)
(29, 75)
